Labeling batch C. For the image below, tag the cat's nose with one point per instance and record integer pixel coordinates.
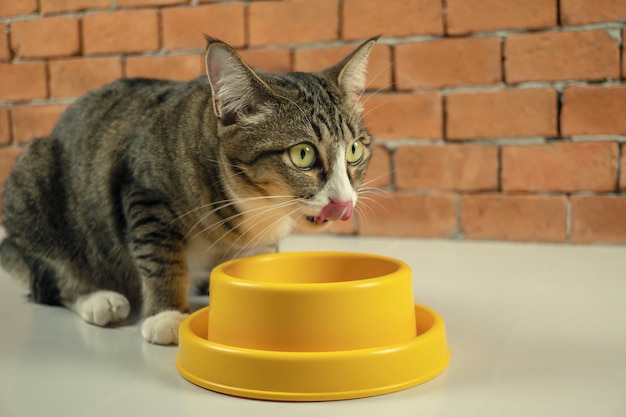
(335, 210)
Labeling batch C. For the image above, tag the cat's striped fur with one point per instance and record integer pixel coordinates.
(145, 182)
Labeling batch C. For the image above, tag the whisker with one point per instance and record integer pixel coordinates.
(371, 180)
(255, 241)
(375, 191)
(268, 209)
(256, 209)
(262, 210)
(363, 218)
(384, 103)
(371, 94)
(227, 203)
(381, 205)
(378, 75)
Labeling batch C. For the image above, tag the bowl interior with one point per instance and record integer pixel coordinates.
(315, 268)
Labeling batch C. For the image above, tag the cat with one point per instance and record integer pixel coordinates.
(145, 183)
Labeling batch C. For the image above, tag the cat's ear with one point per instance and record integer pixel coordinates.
(350, 72)
(239, 95)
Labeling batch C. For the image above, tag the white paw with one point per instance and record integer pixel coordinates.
(162, 328)
(102, 307)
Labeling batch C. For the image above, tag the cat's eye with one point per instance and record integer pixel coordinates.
(355, 153)
(303, 155)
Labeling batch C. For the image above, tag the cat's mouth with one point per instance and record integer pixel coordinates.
(332, 211)
(314, 221)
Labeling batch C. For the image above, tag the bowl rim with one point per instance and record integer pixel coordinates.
(432, 340)
(402, 270)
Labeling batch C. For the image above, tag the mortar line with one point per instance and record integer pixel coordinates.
(444, 17)
(340, 19)
(559, 109)
(246, 25)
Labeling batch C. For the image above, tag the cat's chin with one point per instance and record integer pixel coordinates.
(312, 221)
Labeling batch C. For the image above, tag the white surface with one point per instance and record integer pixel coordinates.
(535, 330)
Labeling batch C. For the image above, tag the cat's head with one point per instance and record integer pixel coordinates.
(293, 148)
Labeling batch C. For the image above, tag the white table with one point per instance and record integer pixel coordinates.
(535, 330)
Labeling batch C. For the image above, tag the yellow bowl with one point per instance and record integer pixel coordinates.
(311, 327)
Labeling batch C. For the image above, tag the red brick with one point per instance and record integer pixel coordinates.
(506, 113)
(528, 218)
(564, 167)
(622, 169)
(378, 69)
(5, 132)
(46, 37)
(178, 67)
(74, 77)
(183, 27)
(598, 219)
(274, 60)
(8, 156)
(55, 6)
(393, 18)
(465, 16)
(577, 12)
(379, 171)
(450, 167)
(556, 56)
(593, 111)
(5, 52)
(409, 215)
(448, 62)
(292, 22)
(23, 81)
(120, 32)
(30, 122)
(404, 115)
(131, 3)
(17, 7)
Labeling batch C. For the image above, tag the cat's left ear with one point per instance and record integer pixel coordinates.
(350, 72)
(239, 95)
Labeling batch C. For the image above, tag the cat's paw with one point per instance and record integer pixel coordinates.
(162, 328)
(102, 307)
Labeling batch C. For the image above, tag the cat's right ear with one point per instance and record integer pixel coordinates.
(239, 95)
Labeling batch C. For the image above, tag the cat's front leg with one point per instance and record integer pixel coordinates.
(164, 304)
(165, 285)
(157, 247)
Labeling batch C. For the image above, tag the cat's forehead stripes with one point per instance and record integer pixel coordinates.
(320, 104)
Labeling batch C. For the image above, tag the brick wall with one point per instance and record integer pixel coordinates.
(493, 119)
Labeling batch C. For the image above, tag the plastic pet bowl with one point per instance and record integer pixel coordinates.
(311, 326)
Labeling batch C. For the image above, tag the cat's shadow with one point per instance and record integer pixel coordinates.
(196, 302)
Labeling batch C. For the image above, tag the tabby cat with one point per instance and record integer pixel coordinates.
(145, 185)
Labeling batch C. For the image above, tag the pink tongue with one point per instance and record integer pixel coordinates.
(335, 211)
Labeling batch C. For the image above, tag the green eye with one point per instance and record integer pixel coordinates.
(303, 155)
(355, 153)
